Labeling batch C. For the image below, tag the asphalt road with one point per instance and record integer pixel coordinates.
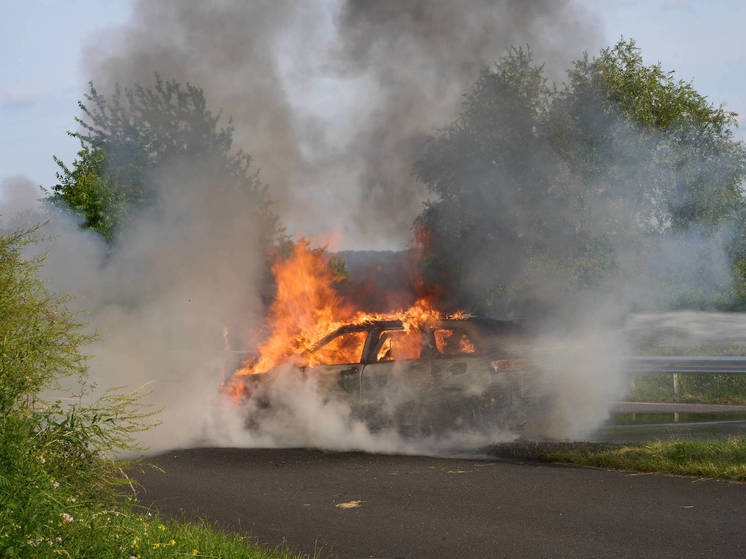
(420, 507)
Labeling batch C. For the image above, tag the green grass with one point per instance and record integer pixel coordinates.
(110, 533)
(713, 459)
(707, 389)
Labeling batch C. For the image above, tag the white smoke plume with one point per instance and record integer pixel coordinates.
(160, 310)
(160, 301)
(333, 97)
(332, 100)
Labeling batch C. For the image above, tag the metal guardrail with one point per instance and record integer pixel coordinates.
(687, 365)
(694, 365)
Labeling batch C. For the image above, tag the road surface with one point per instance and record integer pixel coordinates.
(361, 505)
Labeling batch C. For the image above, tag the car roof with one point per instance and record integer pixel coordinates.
(486, 327)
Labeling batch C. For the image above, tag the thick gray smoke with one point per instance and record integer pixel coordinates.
(332, 98)
(160, 302)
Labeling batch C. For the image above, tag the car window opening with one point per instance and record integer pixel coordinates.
(398, 344)
(453, 341)
(344, 349)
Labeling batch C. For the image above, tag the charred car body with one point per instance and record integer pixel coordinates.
(449, 374)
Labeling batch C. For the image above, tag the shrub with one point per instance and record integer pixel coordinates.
(56, 455)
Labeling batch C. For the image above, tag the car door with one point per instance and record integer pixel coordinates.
(337, 362)
(456, 364)
(396, 368)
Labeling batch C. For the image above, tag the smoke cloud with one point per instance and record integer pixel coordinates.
(333, 100)
(182, 273)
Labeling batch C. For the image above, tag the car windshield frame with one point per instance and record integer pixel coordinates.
(350, 329)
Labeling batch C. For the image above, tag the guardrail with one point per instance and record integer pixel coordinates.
(687, 365)
(690, 365)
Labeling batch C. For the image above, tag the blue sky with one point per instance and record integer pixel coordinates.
(41, 78)
(703, 41)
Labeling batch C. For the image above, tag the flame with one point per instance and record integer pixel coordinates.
(307, 307)
(398, 344)
(465, 345)
(448, 344)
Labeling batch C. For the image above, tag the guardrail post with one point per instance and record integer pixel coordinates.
(675, 384)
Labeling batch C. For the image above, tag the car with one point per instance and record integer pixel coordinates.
(449, 374)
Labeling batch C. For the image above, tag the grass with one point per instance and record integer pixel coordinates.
(713, 459)
(706, 389)
(111, 533)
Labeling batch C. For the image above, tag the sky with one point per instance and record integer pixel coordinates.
(41, 76)
(702, 41)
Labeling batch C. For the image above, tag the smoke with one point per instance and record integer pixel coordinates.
(184, 271)
(333, 101)
(333, 98)
(291, 409)
(685, 332)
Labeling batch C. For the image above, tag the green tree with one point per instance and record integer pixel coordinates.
(652, 138)
(477, 169)
(128, 137)
(538, 188)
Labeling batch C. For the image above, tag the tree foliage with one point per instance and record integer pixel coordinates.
(129, 136)
(539, 189)
(654, 137)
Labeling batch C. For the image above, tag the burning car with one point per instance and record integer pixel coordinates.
(448, 373)
(415, 369)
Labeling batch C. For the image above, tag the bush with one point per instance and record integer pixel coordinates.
(56, 455)
(62, 493)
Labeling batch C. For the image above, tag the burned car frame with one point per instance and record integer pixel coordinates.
(444, 375)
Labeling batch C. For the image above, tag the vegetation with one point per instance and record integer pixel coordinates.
(103, 533)
(61, 491)
(535, 182)
(716, 459)
(130, 137)
(690, 388)
(708, 389)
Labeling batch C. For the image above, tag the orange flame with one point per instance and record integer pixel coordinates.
(307, 307)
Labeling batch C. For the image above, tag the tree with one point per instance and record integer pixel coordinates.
(129, 136)
(539, 189)
(489, 189)
(614, 111)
